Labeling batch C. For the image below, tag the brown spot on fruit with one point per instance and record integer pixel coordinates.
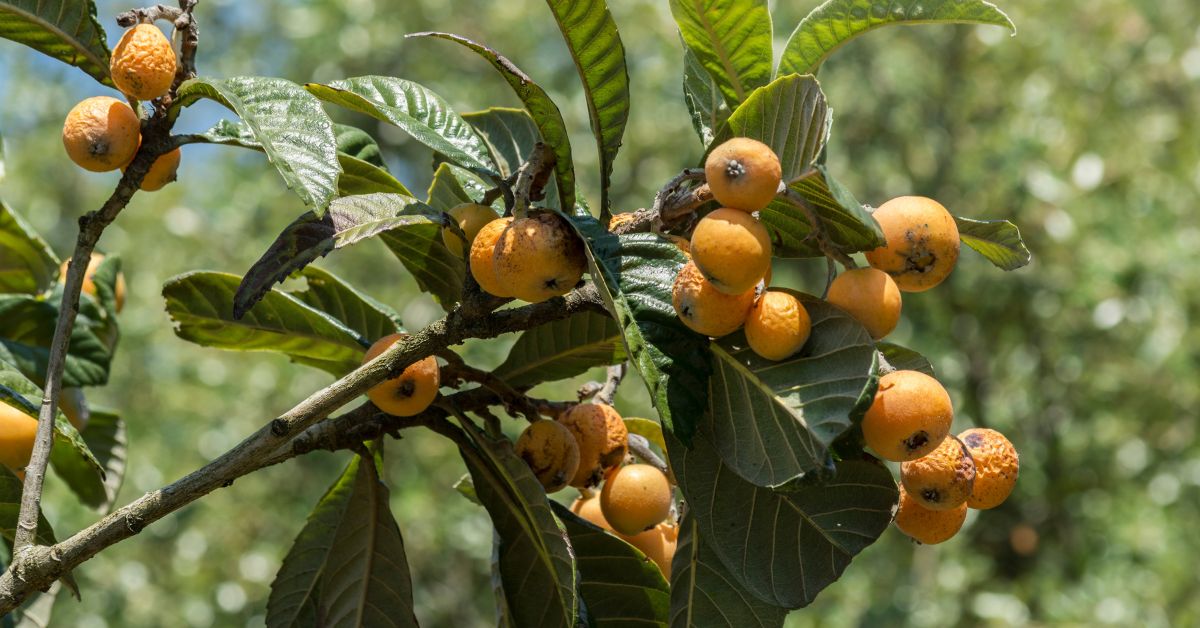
(910, 416)
(602, 438)
(412, 391)
(941, 479)
(996, 467)
(922, 242)
(551, 453)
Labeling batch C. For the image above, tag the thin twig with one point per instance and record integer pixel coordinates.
(640, 447)
(532, 179)
(512, 398)
(885, 367)
(608, 392)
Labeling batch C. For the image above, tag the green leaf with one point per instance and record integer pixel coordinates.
(997, 240)
(790, 116)
(105, 436)
(634, 274)
(358, 144)
(349, 220)
(37, 609)
(534, 554)
(347, 567)
(599, 55)
(904, 359)
(646, 428)
(64, 29)
(848, 224)
(27, 265)
(619, 584)
(466, 487)
(543, 111)
(28, 331)
(446, 191)
(784, 547)
(836, 22)
(361, 177)
(562, 349)
(773, 422)
(511, 135)
(420, 248)
(732, 40)
(704, 595)
(287, 122)
(704, 101)
(201, 306)
(328, 293)
(421, 113)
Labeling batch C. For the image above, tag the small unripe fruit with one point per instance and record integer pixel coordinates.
(17, 433)
(928, 526)
(471, 218)
(410, 393)
(89, 283)
(922, 242)
(658, 544)
(551, 453)
(143, 63)
(778, 325)
(101, 134)
(941, 479)
(732, 249)
(73, 404)
(589, 509)
(539, 257)
(705, 309)
(870, 296)
(161, 172)
(996, 467)
(743, 174)
(602, 438)
(635, 498)
(910, 416)
(483, 256)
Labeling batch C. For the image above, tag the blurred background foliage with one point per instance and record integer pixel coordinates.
(1083, 130)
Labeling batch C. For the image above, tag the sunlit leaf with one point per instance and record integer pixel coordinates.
(732, 40)
(66, 30)
(27, 265)
(997, 240)
(562, 349)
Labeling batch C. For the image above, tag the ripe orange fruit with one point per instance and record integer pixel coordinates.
(589, 509)
(410, 393)
(732, 249)
(910, 416)
(870, 296)
(551, 453)
(928, 526)
(143, 63)
(539, 257)
(996, 467)
(703, 308)
(161, 172)
(483, 258)
(941, 479)
(17, 433)
(778, 325)
(635, 498)
(602, 438)
(743, 174)
(922, 242)
(658, 544)
(89, 283)
(471, 218)
(101, 133)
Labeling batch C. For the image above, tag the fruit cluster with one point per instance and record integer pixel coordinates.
(532, 258)
(103, 133)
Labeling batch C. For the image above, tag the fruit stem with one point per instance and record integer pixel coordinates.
(640, 448)
(457, 369)
(532, 179)
(885, 367)
(608, 392)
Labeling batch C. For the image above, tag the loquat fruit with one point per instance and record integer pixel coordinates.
(471, 218)
(658, 544)
(743, 174)
(89, 283)
(635, 498)
(483, 250)
(539, 257)
(588, 508)
(909, 417)
(996, 467)
(732, 249)
(101, 133)
(928, 526)
(551, 453)
(922, 242)
(703, 308)
(17, 433)
(778, 325)
(941, 479)
(143, 63)
(602, 438)
(870, 296)
(161, 172)
(412, 391)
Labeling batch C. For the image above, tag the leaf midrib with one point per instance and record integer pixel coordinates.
(735, 81)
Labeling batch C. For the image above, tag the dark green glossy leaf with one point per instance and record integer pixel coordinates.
(446, 191)
(543, 111)
(347, 567)
(66, 30)
(359, 311)
(790, 116)
(358, 144)
(361, 177)
(704, 101)
(904, 359)
(27, 265)
(848, 224)
(28, 331)
(836, 22)
(201, 306)
(287, 122)
(732, 40)
(510, 135)
(997, 240)
(105, 436)
(562, 349)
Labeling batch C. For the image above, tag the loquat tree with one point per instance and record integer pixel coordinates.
(762, 475)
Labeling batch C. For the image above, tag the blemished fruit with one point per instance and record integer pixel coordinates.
(410, 393)
(101, 133)
(89, 283)
(602, 438)
(928, 526)
(941, 479)
(732, 249)
(870, 296)
(996, 467)
(483, 257)
(778, 325)
(621, 219)
(706, 310)
(635, 498)
(143, 63)
(658, 544)
(589, 508)
(551, 453)
(922, 242)
(17, 433)
(161, 172)
(73, 404)
(471, 218)
(539, 257)
(743, 174)
(910, 416)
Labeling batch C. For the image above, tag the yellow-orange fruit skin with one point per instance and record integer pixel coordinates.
(778, 325)
(17, 433)
(658, 544)
(483, 250)
(551, 453)
(922, 242)
(682, 244)
(161, 172)
(602, 438)
(926, 526)
(996, 467)
(143, 63)
(871, 296)
(910, 416)
(539, 257)
(743, 174)
(89, 283)
(620, 220)
(101, 134)
(410, 393)
(589, 509)
(73, 404)
(941, 479)
(732, 249)
(471, 218)
(635, 498)
(706, 310)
